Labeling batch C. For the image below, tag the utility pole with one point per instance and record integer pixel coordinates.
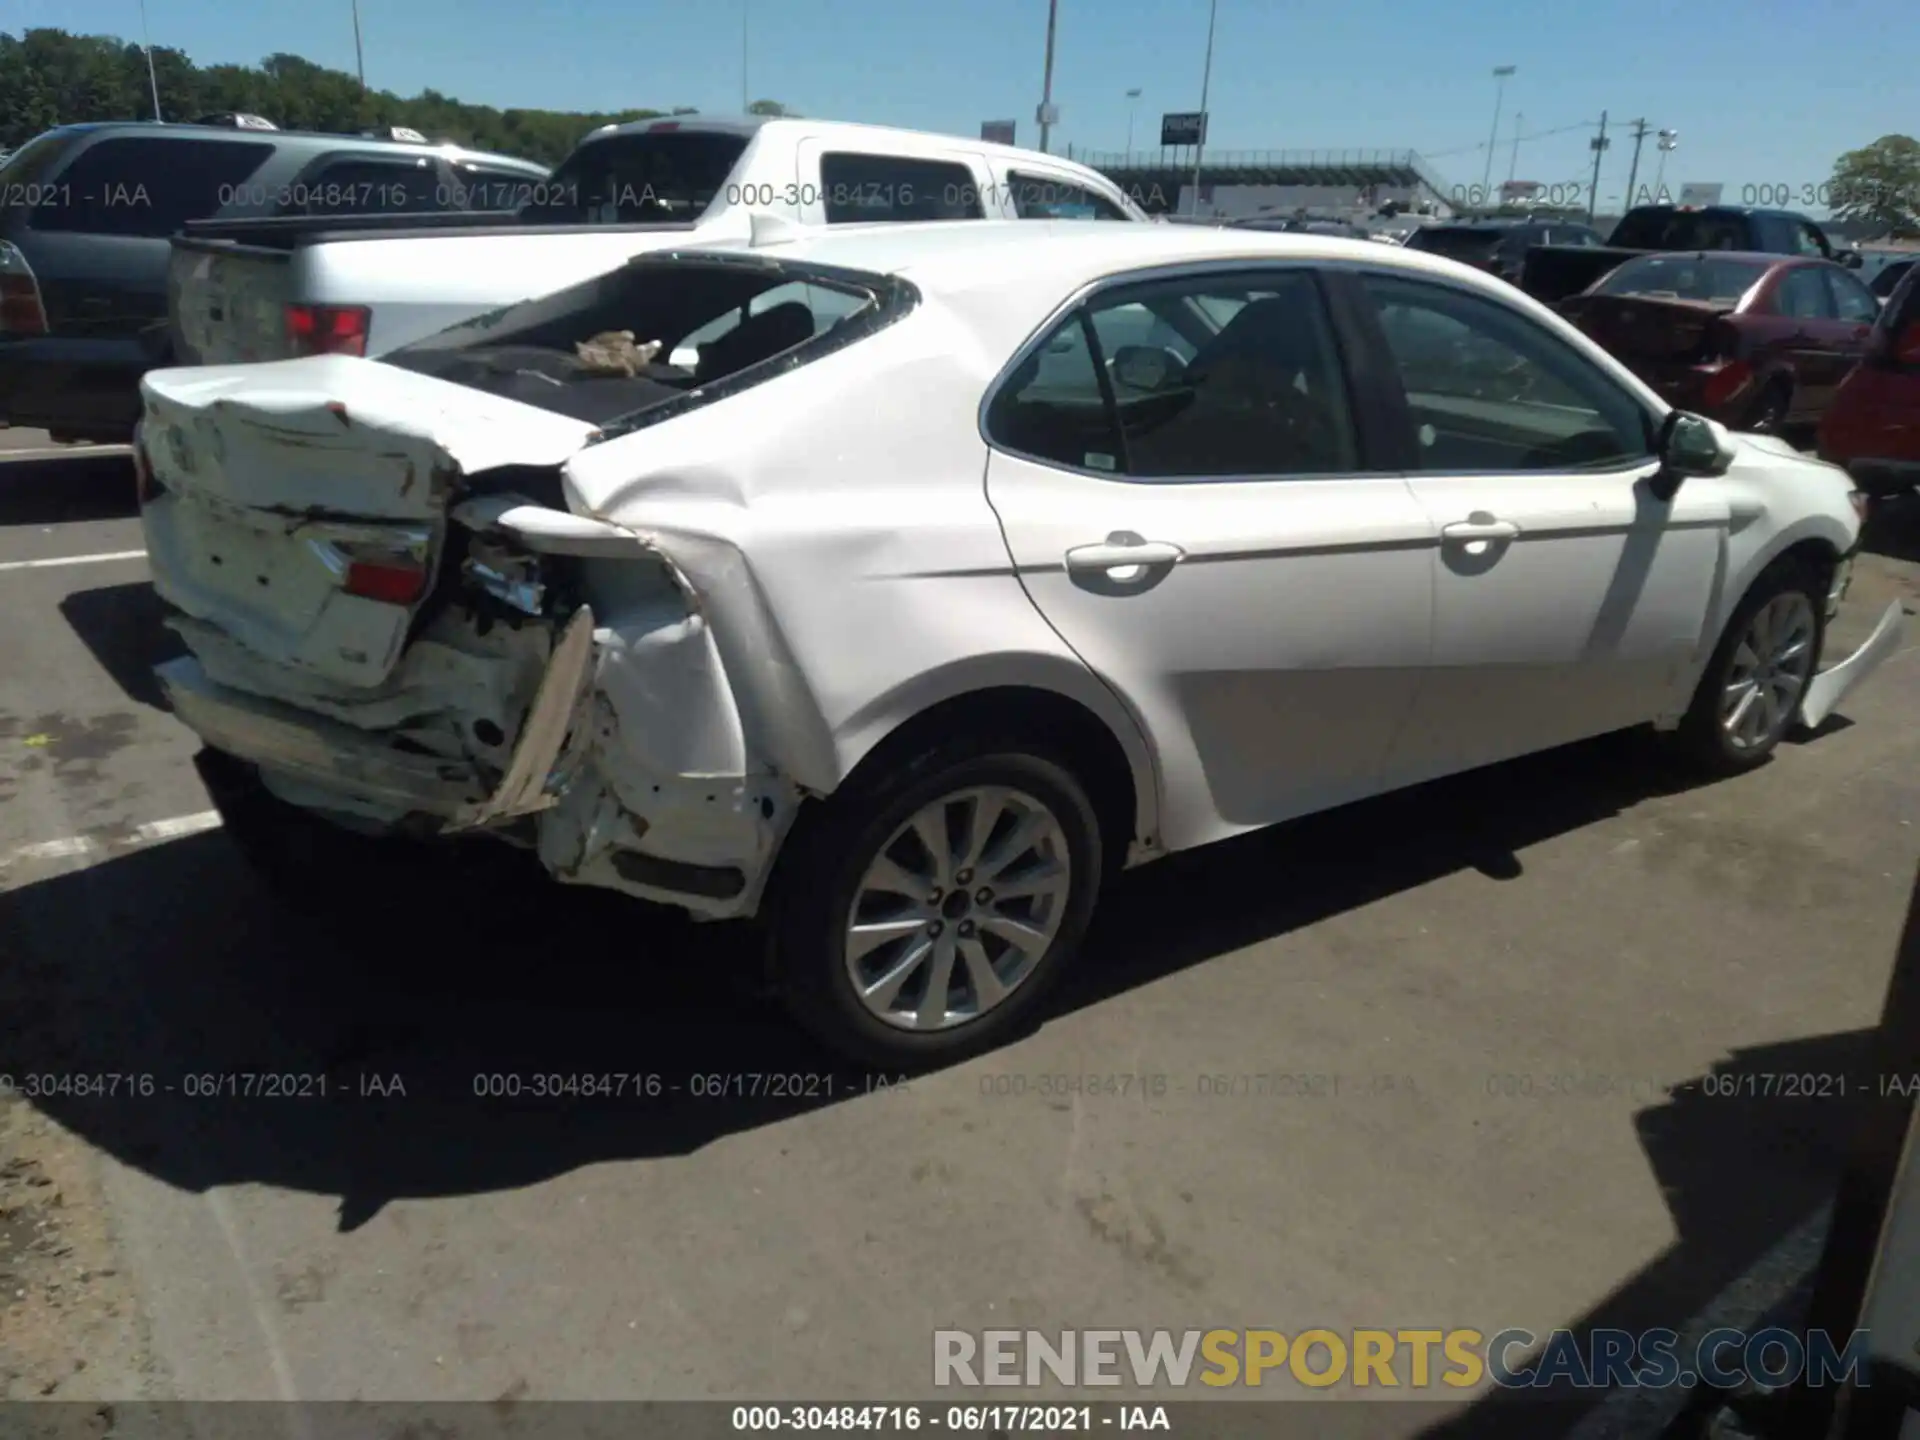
(1666, 143)
(359, 59)
(1500, 74)
(1046, 85)
(147, 45)
(1598, 145)
(1514, 164)
(1133, 103)
(1633, 171)
(1206, 79)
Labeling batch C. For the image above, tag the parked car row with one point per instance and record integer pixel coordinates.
(939, 572)
(1752, 317)
(86, 216)
(124, 247)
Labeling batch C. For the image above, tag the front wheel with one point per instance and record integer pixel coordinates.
(1751, 690)
(930, 909)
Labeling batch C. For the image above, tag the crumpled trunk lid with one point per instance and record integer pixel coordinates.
(292, 498)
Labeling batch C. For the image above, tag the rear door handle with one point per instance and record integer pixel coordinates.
(1116, 554)
(1481, 530)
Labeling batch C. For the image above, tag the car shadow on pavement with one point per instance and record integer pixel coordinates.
(66, 490)
(122, 626)
(171, 962)
(1748, 1158)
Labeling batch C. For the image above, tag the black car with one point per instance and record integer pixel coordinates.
(1499, 246)
(86, 212)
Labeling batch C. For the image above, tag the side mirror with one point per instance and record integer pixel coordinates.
(1689, 445)
(1851, 259)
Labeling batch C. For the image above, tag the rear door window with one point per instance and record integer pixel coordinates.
(1045, 197)
(1852, 301)
(365, 185)
(645, 178)
(1807, 240)
(862, 189)
(491, 187)
(1803, 295)
(148, 187)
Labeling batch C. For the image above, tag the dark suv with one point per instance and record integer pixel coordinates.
(85, 216)
(1499, 245)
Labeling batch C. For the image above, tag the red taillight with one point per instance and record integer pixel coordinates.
(21, 312)
(328, 329)
(390, 582)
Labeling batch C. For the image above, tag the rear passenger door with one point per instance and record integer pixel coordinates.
(102, 227)
(1815, 342)
(1200, 516)
(1855, 313)
(842, 186)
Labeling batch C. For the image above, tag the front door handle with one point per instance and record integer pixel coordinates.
(1116, 553)
(1481, 530)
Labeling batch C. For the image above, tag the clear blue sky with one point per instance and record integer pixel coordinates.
(1763, 92)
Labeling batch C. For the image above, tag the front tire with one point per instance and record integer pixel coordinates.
(930, 909)
(1750, 693)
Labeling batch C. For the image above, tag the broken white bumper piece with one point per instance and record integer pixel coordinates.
(1832, 685)
(362, 767)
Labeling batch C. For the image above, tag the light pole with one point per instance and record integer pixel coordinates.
(745, 6)
(1206, 79)
(1500, 74)
(1045, 116)
(1519, 123)
(1133, 103)
(359, 59)
(1666, 142)
(146, 44)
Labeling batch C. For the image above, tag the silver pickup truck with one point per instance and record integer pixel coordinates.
(272, 289)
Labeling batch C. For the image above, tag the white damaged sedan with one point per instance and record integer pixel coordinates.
(900, 585)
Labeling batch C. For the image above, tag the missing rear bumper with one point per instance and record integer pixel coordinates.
(367, 771)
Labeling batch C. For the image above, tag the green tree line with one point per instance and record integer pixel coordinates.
(49, 77)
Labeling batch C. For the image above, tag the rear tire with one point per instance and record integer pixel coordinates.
(900, 981)
(1757, 671)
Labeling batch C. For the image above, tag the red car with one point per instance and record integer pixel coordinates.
(1758, 342)
(1873, 425)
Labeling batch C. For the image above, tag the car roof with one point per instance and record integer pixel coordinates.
(846, 132)
(306, 139)
(1020, 265)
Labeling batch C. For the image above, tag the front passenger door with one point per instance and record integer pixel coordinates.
(1568, 601)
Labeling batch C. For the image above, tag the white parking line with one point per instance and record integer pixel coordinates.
(53, 562)
(65, 452)
(74, 846)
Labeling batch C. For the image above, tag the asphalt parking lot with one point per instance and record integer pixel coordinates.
(1473, 1001)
